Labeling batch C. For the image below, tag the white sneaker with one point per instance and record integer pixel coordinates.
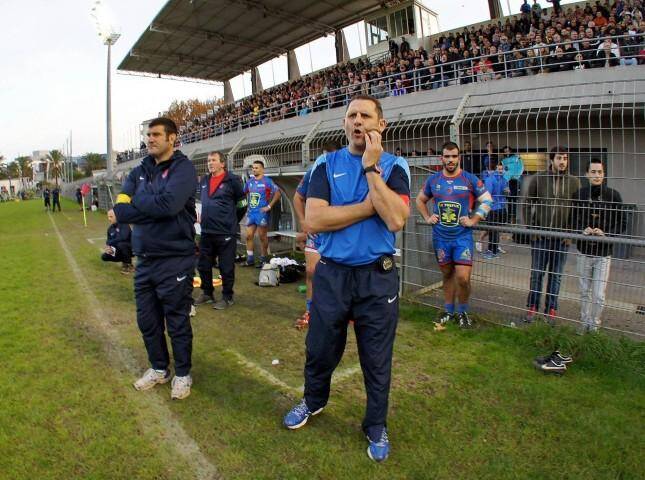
(181, 387)
(152, 378)
(501, 250)
(478, 246)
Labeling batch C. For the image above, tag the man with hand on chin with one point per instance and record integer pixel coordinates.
(453, 191)
(158, 199)
(358, 197)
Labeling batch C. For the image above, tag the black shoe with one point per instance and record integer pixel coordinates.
(223, 304)
(464, 320)
(203, 299)
(552, 365)
(556, 355)
(446, 318)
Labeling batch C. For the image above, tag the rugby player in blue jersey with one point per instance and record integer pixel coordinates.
(454, 193)
(263, 194)
(358, 197)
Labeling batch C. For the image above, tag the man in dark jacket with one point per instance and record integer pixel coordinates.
(221, 193)
(158, 198)
(46, 198)
(598, 211)
(55, 198)
(547, 206)
(117, 245)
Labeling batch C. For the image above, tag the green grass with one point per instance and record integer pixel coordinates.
(463, 404)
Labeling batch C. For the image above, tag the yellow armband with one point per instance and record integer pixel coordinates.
(123, 198)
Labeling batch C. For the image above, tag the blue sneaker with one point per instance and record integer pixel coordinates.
(299, 415)
(488, 255)
(379, 450)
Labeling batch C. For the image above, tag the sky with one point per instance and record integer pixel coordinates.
(53, 72)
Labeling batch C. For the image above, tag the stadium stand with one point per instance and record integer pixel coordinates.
(524, 45)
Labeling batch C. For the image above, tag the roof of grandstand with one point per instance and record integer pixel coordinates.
(219, 39)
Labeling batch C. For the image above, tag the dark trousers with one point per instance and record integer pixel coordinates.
(56, 202)
(370, 297)
(47, 204)
(495, 217)
(163, 292)
(122, 254)
(223, 248)
(548, 255)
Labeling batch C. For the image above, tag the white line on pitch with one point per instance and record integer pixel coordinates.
(119, 356)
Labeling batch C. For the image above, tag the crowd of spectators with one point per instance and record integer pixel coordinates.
(536, 41)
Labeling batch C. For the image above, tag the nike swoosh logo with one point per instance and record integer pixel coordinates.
(227, 239)
(390, 300)
(336, 175)
(181, 279)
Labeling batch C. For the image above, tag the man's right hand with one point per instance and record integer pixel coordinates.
(433, 219)
(587, 231)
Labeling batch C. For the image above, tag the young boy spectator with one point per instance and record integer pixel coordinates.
(117, 246)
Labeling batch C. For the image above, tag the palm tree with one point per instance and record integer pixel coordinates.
(24, 166)
(56, 159)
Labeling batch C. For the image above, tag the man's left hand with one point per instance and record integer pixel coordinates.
(373, 148)
(597, 231)
(265, 209)
(466, 221)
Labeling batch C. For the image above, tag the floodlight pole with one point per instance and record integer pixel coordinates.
(109, 41)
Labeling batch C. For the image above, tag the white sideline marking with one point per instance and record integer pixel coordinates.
(92, 240)
(338, 376)
(261, 372)
(119, 357)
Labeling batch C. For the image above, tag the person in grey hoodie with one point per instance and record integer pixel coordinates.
(547, 206)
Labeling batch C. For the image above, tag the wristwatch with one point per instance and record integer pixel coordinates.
(372, 168)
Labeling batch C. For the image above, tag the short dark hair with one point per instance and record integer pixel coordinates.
(221, 156)
(449, 146)
(595, 160)
(557, 149)
(375, 101)
(259, 162)
(168, 125)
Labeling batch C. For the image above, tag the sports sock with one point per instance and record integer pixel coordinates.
(308, 304)
(449, 307)
(462, 307)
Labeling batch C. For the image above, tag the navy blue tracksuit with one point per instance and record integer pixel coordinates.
(162, 210)
(219, 223)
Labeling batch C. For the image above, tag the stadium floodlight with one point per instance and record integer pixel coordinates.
(109, 33)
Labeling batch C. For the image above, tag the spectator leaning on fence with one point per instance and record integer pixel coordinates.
(597, 212)
(547, 206)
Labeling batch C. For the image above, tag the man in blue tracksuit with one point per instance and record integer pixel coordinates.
(221, 192)
(358, 197)
(158, 200)
(497, 186)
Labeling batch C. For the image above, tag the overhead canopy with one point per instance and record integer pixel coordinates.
(220, 39)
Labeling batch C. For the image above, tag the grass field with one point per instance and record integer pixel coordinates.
(464, 404)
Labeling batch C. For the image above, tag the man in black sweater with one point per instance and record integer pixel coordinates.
(117, 246)
(597, 212)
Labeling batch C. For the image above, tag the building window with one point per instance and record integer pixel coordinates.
(402, 22)
(377, 31)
